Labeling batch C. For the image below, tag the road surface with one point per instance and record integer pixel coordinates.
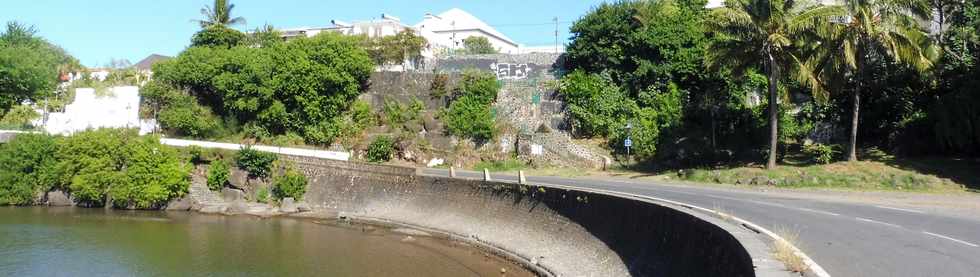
(846, 239)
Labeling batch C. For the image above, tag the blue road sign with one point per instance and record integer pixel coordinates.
(629, 142)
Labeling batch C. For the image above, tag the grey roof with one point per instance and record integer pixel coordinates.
(148, 62)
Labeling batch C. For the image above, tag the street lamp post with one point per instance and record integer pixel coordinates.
(629, 139)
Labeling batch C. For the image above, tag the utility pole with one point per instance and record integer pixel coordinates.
(556, 34)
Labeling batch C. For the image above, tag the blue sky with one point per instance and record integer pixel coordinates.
(96, 31)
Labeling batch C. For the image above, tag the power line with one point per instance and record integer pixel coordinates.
(552, 23)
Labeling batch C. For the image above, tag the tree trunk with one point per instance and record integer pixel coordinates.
(773, 114)
(855, 112)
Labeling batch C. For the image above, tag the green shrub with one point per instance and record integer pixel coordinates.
(821, 153)
(469, 117)
(188, 119)
(257, 163)
(290, 184)
(262, 195)
(19, 117)
(25, 166)
(381, 149)
(117, 164)
(218, 174)
(470, 114)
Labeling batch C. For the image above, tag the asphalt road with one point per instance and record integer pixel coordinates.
(845, 239)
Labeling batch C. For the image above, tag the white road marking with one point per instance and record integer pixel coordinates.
(949, 238)
(900, 209)
(878, 222)
(818, 211)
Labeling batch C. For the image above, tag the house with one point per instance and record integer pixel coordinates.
(116, 107)
(145, 66)
(386, 26)
(450, 28)
(443, 31)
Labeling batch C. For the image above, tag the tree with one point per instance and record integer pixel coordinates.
(28, 65)
(218, 36)
(219, 14)
(265, 36)
(478, 45)
(397, 49)
(765, 34)
(872, 31)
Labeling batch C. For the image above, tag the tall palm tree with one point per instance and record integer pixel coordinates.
(766, 34)
(870, 31)
(219, 14)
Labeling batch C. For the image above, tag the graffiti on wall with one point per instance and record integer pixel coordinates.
(509, 71)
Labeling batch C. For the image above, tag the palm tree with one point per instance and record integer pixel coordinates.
(766, 34)
(869, 31)
(219, 14)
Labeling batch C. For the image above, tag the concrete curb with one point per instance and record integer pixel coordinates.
(763, 269)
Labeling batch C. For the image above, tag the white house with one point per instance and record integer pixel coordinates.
(443, 31)
(386, 26)
(117, 108)
(450, 28)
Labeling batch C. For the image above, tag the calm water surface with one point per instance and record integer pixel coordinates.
(95, 242)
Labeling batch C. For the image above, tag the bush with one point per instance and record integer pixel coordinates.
(468, 117)
(439, 86)
(218, 174)
(188, 119)
(381, 149)
(821, 153)
(25, 166)
(470, 114)
(291, 184)
(132, 171)
(257, 163)
(19, 117)
(262, 195)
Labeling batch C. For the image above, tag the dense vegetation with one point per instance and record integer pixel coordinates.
(291, 184)
(258, 164)
(381, 149)
(29, 65)
(104, 167)
(693, 82)
(469, 114)
(228, 84)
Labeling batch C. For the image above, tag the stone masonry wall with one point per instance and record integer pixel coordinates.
(528, 101)
(567, 232)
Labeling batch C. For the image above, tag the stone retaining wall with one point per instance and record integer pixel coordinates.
(567, 232)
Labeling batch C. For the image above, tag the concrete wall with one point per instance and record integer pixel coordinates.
(567, 232)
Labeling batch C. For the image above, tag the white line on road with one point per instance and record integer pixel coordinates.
(949, 238)
(900, 209)
(878, 222)
(818, 211)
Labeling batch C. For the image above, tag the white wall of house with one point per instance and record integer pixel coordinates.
(450, 28)
(117, 108)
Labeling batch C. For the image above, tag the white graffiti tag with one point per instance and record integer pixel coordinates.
(508, 71)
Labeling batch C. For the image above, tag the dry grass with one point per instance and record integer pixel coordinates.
(785, 251)
(725, 214)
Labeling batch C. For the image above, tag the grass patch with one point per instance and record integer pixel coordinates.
(785, 251)
(865, 175)
(501, 165)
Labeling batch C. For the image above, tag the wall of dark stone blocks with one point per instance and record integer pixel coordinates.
(569, 232)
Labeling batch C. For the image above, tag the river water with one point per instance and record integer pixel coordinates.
(95, 242)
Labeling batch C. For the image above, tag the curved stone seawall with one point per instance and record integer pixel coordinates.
(566, 232)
